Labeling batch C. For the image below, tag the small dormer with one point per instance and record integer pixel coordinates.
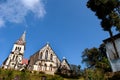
(65, 64)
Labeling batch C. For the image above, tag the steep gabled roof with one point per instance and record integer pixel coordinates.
(48, 46)
(25, 61)
(44, 48)
(66, 62)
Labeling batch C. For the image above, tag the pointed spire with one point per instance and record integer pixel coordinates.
(23, 36)
(21, 40)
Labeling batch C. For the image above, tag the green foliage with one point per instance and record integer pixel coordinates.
(90, 56)
(74, 73)
(64, 72)
(56, 77)
(9, 75)
(106, 10)
(94, 74)
(0, 71)
(25, 75)
(104, 64)
(97, 58)
(116, 76)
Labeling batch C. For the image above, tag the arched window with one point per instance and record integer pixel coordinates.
(45, 67)
(16, 48)
(40, 67)
(46, 54)
(20, 49)
(50, 67)
(41, 54)
(64, 67)
(51, 57)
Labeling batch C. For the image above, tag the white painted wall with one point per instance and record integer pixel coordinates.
(21, 46)
(115, 63)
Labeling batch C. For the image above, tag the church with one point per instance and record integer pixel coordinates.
(15, 60)
(44, 60)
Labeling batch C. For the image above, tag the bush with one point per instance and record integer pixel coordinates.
(56, 77)
(24, 75)
(116, 76)
(94, 74)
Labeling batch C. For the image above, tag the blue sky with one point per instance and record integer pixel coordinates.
(68, 25)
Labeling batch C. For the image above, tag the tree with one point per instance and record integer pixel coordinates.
(90, 56)
(103, 60)
(97, 58)
(109, 13)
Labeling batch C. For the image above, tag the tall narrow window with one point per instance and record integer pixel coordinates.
(16, 58)
(20, 49)
(13, 57)
(16, 48)
(51, 57)
(46, 54)
(45, 67)
(50, 67)
(41, 54)
(40, 67)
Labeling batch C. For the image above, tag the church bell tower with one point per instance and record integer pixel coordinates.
(14, 60)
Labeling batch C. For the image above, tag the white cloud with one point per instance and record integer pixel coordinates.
(36, 6)
(1, 23)
(30, 3)
(16, 10)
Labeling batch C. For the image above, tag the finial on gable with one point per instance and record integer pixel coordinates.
(64, 58)
(48, 43)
